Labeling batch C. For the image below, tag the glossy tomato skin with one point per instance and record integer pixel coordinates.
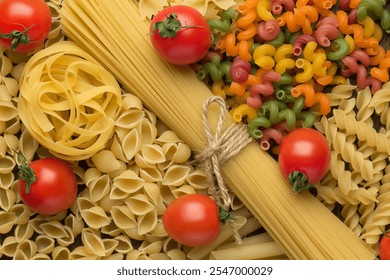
(305, 150)
(190, 44)
(384, 247)
(20, 15)
(192, 220)
(54, 190)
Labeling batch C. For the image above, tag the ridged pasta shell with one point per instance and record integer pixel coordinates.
(139, 204)
(166, 194)
(99, 187)
(128, 182)
(114, 257)
(22, 213)
(41, 257)
(95, 217)
(198, 180)
(75, 224)
(7, 199)
(91, 174)
(124, 244)
(5, 65)
(159, 256)
(130, 101)
(152, 190)
(116, 149)
(123, 217)
(183, 190)
(141, 162)
(3, 147)
(68, 239)
(106, 161)
(80, 253)
(17, 70)
(176, 175)
(12, 142)
(8, 220)
(123, 167)
(150, 175)
(60, 253)
(109, 247)
(147, 132)
(153, 154)
(176, 254)
(111, 229)
(6, 180)
(151, 248)
(107, 203)
(28, 247)
(7, 164)
(136, 255)
(8, 111)
(93, 243)
(45, 244)
(23, 232)
(13, 126)
(54, 229)
(168, 137)
(158, 232)
(8, 248)
(147, 222)
(28, 145)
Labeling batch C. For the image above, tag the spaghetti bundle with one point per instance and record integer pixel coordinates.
(113, 33)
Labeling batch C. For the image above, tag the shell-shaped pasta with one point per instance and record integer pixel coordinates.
(40, 257)
(27, 249)
(3, 147)
(11, 85)
(28, 145)
(151, 248)
(183, 190)
(128, 182)
(152, 190)
(123, 167)
(12, 142)
(7, 199)
(83, 203)
(153, 154)
(139, 204)
(133, 234)
(197, 180)
(136, 255)
(177, 152)
(131, 144)
(68, 239)
(8, 220)
(166, 194)
(116, 148)
(23, 232)
(159, 256)
(106, 161)
(158, 233)
(22, 213)
(107, 203)
(111, 229)
(124, 244)
(8, 111)
(147, 131)
(95, 217)
(130, 118)
(109, 247)
(5, 65)
(93, 243)
(141, 162)
(150, 175)
(114, 257)
(91, 174)
(8, 248)
(60, 253)
(13, 126)
(130, 101)
(45, 244)
(176, 254)
(123, 217)
(168, 136)
(7, 164)
(147, 222)
(99, 187)
(6, 180)
(53, 229)
(176, 175)
(80, 253)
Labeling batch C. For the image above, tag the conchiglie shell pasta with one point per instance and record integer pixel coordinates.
(131, 144)
(5, 64)
(111, 229)
(130, 118)
(107, 203)
(28, 145)
(8, 220)
(8, 111)
(147, 222)
(11, 85)
(124, 244)
(93, 243)
(40, 256)
(176, 175)
(7, 199)
(7, 164)
(130, 101)
(176, 254)
(53, 229)
(23, 232)
(128, 182)
(80, 253)
(197, 180)
(151, 175)
(139, 204)
(22, 213)
(68, 239)
(91, 174)
(153, 154)
(106, 161)
(151, 248)
(6, 180)
(95, 217)
(3, 147)
(61, 253)
(147, 132)
(109, 247)
(28, 248)
(8, 248)
(99, 187)
(45, 244)
(123, 217)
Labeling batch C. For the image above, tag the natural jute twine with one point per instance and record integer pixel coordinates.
(221, 146)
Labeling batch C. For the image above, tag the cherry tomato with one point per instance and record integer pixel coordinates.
(192, 220)
(24, 24)
(304, 158)
(180, 34)
(384, 247)
(53, 185)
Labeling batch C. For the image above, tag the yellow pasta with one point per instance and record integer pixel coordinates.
(263, 56)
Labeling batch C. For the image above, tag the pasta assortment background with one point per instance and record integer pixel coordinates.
(124, 188)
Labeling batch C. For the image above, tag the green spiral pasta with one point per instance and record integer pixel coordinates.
(216, 69)
(224, 23)
(342, 48)
(372, 8)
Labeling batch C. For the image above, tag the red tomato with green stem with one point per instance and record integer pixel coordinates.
(193, 220)
(24, 24)
(384, 247)
(180, 35)
(48, 186)
(304, 158)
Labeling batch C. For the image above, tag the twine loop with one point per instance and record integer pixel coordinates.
(221, 146)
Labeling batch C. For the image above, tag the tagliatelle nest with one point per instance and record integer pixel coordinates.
(69, 102)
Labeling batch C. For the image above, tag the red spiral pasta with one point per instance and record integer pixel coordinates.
(239, 70)
(264, 88)
(299, 43)
(326, 30)
(268, 30)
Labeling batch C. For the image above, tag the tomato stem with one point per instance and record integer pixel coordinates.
(26, 173)
(170, 27)
(18, 36)
(224, 215)
(299, 182)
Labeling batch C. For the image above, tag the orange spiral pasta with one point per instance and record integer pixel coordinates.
(246, 22)
(232, 48)
(312, 97)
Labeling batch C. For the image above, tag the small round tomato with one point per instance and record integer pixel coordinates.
(192, 220)
(48, 186)
(180, 34)
(24, 24)
(384, 247)
(304, 158)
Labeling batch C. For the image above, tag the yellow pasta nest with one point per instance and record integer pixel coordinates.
(68, 101)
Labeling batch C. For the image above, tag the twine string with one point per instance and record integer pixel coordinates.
(221, 145)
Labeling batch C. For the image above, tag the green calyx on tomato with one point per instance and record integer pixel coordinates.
(26, 173)
(299, 182)
(170, 27)
(224, 215)
(18, 37)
